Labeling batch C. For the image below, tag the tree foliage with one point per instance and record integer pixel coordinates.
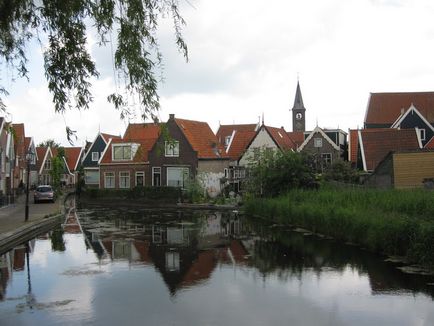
(49, 143)
(274, 172)
(341, 171)
(67, 62)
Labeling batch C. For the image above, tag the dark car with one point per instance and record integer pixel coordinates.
(44, 193)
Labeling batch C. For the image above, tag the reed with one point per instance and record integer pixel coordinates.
(394, 222)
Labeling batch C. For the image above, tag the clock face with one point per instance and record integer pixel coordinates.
(298, 116)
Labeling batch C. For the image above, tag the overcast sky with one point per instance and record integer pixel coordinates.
(245, 56)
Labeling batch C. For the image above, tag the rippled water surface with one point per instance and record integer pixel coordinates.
(143, 267)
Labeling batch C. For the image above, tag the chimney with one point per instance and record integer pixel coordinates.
(171, 116)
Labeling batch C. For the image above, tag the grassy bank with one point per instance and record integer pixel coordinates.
(392, 222)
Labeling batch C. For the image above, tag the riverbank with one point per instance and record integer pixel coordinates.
(392, 222)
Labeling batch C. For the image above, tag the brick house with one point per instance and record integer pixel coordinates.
(186, 150)
(125, 162)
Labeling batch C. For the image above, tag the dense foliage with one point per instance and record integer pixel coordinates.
(62, 28)
(275, 172)
(341, 171)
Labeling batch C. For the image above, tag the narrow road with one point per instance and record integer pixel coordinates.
(13, 216)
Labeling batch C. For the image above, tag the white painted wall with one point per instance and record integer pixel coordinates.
(262, 141)
(210, 181)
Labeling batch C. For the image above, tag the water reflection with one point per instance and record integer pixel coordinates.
(221, 256)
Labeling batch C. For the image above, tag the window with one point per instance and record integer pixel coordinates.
(177, 177)
(236, 174)
(317, 142)
(422, 134)
(172, 261)
(242, 174)
(91, 177)
(140, 179)
(95, 156)
(156, 176)
(326, 159)
(226, 173)
(171, 148)
(109, 180)
(227, 140)
(121, 152)
(124, 180)
(47, 165)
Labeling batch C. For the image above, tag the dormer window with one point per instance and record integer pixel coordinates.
(95, 156)
(121, 152)
(171, 148)
(227, 140)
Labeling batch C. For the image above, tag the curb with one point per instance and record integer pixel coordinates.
(24, 233)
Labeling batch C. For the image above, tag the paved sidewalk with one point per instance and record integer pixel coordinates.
(12, 216)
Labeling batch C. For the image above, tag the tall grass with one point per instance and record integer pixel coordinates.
(394, 222)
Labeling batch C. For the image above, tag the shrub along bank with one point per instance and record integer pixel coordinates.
(394, 222)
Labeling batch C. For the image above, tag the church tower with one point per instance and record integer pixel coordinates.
(298, 112)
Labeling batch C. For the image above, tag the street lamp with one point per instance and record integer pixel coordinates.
(29, 157)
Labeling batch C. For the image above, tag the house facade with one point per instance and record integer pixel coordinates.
(325, 146)
(92, 157)
(7, 160)
(187, 150)
(44, 165)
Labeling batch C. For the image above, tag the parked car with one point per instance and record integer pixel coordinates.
(44, 193)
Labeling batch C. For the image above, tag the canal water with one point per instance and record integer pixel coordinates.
(145, 267)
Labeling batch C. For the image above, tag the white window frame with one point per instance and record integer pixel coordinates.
(154, 169)
(123, 158)
(317, 142)
(177, 168)
(47, 164)
(95, 156)
(172, 261)
(227, 140)
(127, 185)
(140, 173)
(422, 133)
(107, 175)
(325, 160)
(171, 148)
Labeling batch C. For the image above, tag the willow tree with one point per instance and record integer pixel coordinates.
(62, 27)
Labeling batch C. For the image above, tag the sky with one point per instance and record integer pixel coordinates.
(245, 58)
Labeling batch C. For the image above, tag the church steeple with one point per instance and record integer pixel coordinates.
(298, 111)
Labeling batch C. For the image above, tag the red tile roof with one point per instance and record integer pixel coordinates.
(280, 136)
(19, 138)
(142, 131)
(202, 139)
(41, 152)
(353, 145)
(377, 143)
(72, 156)
(430, 144)
(141, 155)
(227, 130)
(297, 137)
(107, 137)
(385, 108)
(239, 144)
